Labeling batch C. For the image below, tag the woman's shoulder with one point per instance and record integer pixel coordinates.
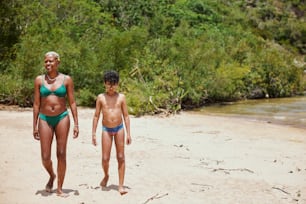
(66, 78)
(39, 78)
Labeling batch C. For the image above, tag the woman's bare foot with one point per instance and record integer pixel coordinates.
(103, 183)
(122, 190)
(49, 185)
(60, 193)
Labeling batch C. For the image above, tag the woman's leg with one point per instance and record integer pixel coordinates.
(61, 132)
(119, 141)
(46, 137)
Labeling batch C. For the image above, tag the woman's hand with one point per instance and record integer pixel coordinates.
(36, 134)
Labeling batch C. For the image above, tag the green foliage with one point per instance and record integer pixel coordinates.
(279, 76)
(9, 89)
(16, 91)
(85, 97)
(138, 98)
(228, 84)
(9, 32)
(281, 21)
(171, 54)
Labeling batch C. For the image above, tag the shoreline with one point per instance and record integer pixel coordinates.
(252, 118)
(183, 158)
(191, 112)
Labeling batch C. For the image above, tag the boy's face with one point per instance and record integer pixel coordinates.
(110, 88)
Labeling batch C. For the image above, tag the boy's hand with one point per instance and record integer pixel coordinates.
(128, 140)
(94, 140)
(75, 131)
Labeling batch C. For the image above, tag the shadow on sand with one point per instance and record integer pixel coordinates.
(67, 191)
(113, 187)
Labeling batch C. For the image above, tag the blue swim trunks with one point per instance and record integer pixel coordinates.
(112, 130)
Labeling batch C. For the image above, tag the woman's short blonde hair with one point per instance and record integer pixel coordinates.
(55, 54)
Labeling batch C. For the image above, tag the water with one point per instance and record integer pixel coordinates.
(285, 111)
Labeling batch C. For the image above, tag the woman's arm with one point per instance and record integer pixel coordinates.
(73, 106)
(36, 106)
(95, 119)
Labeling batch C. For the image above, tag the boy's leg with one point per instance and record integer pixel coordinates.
(119, 141)
(107, 140)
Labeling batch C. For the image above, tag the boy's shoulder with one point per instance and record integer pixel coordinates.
(101, 95)
(121, 96)
(118, 94)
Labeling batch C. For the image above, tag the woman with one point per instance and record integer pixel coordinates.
(50, 116)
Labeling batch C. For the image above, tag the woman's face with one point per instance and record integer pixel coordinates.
(51, 63)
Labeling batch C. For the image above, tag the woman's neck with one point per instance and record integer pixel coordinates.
(53, 74)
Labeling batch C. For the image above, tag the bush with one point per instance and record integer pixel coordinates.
(84, 97)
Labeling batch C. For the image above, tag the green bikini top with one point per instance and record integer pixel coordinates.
(60, 91)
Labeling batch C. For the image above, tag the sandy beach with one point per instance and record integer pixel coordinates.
(185, 158)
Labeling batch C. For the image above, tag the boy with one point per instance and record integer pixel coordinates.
(114, 110)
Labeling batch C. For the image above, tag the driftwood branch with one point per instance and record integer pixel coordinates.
(155, 197)
(160, 110)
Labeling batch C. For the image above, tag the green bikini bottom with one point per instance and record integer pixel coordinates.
(53, 120)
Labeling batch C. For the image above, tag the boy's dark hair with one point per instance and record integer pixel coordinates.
(112, 77)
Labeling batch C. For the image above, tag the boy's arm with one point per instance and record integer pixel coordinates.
(126, 120)
(96, 119)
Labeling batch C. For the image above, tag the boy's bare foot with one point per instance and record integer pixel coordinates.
(61, 194)
(49, 185)
(103, 183)
(122, 190)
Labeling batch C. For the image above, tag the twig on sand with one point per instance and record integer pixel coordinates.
(276, 188)
(203, 187)
(240, 169)
(199, 184)
(155, 197)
